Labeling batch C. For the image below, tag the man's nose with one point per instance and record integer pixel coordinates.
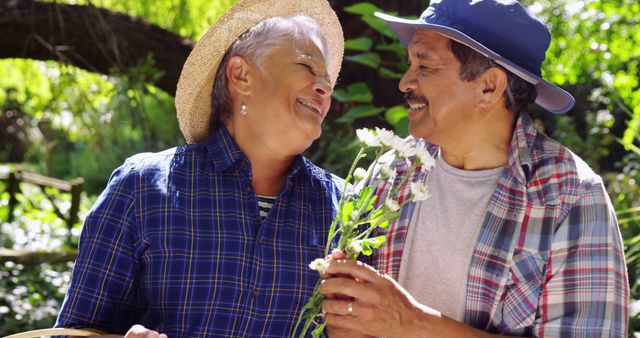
(408, 81)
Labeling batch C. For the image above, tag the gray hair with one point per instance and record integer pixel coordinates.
(254, 45)
(473, 64)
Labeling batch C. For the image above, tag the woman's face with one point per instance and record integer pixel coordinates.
(289, 99)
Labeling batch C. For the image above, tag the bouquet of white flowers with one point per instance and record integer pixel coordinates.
(358, 213)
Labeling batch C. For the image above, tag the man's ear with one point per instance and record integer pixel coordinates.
(493, 82)
(239, 76)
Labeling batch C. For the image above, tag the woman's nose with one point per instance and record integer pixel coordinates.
(322, 86)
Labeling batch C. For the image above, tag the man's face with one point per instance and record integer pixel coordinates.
(441, 104)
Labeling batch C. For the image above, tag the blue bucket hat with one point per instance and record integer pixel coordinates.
(501, 30)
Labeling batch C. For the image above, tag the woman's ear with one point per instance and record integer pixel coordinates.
(239, 75)
(493, 83)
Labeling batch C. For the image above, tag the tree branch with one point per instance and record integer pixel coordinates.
(91, 38)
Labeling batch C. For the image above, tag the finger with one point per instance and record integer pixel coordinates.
(343, 322)
(163, 335)
(337, 307)
(346, 287)
(136, 331)
(152, 334)
(338, 254)
(357, 270)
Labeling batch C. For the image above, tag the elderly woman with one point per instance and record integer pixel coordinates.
(213, 238)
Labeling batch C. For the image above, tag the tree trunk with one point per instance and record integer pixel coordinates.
(94, 39)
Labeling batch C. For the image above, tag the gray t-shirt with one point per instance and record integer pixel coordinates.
(442, 234)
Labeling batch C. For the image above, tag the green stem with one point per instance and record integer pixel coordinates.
(343, 199)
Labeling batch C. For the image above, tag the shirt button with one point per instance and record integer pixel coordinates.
(254, 294)
(248, 189)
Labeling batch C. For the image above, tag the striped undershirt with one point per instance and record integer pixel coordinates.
(265, 203)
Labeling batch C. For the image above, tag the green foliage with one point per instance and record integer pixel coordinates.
(189, 18)
(76, 115)
(361, 50)
(30, 296)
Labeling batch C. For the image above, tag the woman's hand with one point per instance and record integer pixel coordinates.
(139, 331)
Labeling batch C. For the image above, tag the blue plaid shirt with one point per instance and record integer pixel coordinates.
(176, 243)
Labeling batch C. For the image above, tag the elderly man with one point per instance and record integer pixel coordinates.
(518, 237)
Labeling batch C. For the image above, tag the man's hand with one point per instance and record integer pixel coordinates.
(379, 305)
(332, 330)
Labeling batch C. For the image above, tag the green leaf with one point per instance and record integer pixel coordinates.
(362, 44)
(376, 242)
(366, 192)
(389, 74)
(397, 117)
(339, 95)
(346, 211)
(359, 111)
(362, 8)
(371, 60)
(379, 26)
(396, 113)
(384, 224)
(359, 92)
(366, 250)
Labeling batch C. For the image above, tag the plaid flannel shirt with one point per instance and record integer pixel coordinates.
(549, 258)
(176, 243)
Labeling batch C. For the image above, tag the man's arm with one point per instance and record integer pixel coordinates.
(586, 290)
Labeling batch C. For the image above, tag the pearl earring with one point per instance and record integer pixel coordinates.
(243, 109)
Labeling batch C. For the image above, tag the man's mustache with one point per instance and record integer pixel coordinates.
(410, 96)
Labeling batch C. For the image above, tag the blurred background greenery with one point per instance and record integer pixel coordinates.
(96, 85)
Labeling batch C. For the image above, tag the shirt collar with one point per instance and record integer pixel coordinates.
(224, 153)
(223, 150)
(524, 136)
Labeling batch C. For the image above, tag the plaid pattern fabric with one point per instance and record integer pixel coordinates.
(175, 243)
(549, 259)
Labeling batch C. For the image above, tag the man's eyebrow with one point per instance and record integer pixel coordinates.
(422, 56)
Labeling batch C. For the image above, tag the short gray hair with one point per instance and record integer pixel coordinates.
(254, 45)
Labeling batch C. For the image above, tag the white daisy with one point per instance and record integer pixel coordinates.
(367, 137)
(392, 205)
(359, 174)
(419, 192)
(386, 171)
(317, 265)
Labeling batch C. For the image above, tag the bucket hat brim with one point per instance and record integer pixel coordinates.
(550, 96)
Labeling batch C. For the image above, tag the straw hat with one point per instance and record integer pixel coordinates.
(193, 95)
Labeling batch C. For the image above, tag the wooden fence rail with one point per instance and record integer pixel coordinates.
(73, 187)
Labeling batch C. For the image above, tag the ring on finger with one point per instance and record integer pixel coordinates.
(350, 309)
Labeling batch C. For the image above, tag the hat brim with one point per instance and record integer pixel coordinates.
(193, 93)
(550, 96)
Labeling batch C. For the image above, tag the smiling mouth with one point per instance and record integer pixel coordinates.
(311, 105)
(417, 106)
